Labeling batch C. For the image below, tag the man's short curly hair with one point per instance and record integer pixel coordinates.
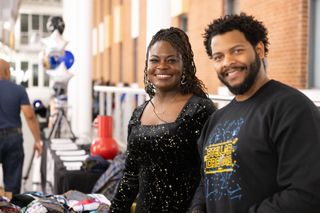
(253, 30)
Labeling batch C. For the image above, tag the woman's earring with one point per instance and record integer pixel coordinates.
(183, 80)
(146, 80)
(149, 87)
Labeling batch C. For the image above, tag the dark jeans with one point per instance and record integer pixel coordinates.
(11, 157)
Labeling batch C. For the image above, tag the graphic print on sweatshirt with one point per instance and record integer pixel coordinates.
(219, 161)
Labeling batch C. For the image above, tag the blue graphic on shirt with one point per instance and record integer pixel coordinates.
(220, 165)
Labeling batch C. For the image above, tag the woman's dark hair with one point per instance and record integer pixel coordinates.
(253, 30)
(180, 41)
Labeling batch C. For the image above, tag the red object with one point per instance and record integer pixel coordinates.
(104, 145)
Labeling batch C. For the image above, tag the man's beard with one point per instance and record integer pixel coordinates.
(253, 71)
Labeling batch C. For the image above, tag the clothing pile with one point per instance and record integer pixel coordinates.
(69, 202)
(98, 201)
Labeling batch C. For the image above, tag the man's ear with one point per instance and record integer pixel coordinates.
(7, 74)
(260, 49)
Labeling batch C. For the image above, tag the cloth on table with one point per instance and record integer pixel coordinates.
(108, 182)
(79, 202)
(71, 201)
(95, 164)
(6, 206)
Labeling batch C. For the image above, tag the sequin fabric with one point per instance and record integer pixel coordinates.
(162, 165)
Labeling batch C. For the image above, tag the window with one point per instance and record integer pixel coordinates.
(24, 69)
(44, 23)
(24, 23)
(121, 61)
(35, 22)
(46, 79)
(24, 28)
(35, 75)
(231, 6)
(12, 76)
(314, 45)
(110, 63)
(135, 60)
(33, 28)
(183, 23)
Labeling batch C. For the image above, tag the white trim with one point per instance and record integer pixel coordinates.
(135, 17)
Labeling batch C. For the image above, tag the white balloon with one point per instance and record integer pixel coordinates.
(54, 43)
(60, 74)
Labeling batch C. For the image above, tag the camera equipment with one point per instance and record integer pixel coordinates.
(61, 120)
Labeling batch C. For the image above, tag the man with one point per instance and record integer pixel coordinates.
(13, 99)
(260, 153)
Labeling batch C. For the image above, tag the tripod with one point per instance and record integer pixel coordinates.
(56, 132)
(57, 125)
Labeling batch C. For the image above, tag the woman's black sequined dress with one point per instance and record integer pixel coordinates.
(162, 165)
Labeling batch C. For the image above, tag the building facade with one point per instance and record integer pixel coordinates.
(120, 34)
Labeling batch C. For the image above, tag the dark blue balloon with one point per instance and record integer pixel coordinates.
(68, 59)
(54, 61)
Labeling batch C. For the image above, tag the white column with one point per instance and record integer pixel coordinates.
(158, 17)
(78, 16)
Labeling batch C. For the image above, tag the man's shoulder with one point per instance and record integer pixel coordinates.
(287, 90)
(7, 82)
(276, 91)
(9, 88)
(286, 97)
(11, 85)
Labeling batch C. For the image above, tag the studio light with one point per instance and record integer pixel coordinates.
(39, 108)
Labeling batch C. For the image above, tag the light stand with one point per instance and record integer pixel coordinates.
(56, 128)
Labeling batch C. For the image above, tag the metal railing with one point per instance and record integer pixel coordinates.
(119, 102)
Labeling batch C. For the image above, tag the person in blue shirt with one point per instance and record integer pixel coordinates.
(13, 100)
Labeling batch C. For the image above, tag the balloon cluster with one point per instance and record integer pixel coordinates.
(55, 58)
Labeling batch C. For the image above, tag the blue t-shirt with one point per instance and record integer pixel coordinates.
(12, 96)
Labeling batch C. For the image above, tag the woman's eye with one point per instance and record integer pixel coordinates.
(153, 60)
(172, 61)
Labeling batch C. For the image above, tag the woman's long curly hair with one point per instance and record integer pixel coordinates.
(180, 41)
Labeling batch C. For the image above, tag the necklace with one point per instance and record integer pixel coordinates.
(157, 113)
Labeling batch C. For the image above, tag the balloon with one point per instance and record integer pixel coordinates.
(52, 61)
(60, 74)
(55, 23)
(68, 59)
(54, 43)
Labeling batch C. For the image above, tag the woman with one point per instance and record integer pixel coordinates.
(162, 165)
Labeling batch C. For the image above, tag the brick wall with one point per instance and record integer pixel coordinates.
(286, 20)
(287, 23)
(200, 15)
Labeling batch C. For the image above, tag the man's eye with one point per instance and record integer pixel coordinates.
(217, 58)
(237, 51)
